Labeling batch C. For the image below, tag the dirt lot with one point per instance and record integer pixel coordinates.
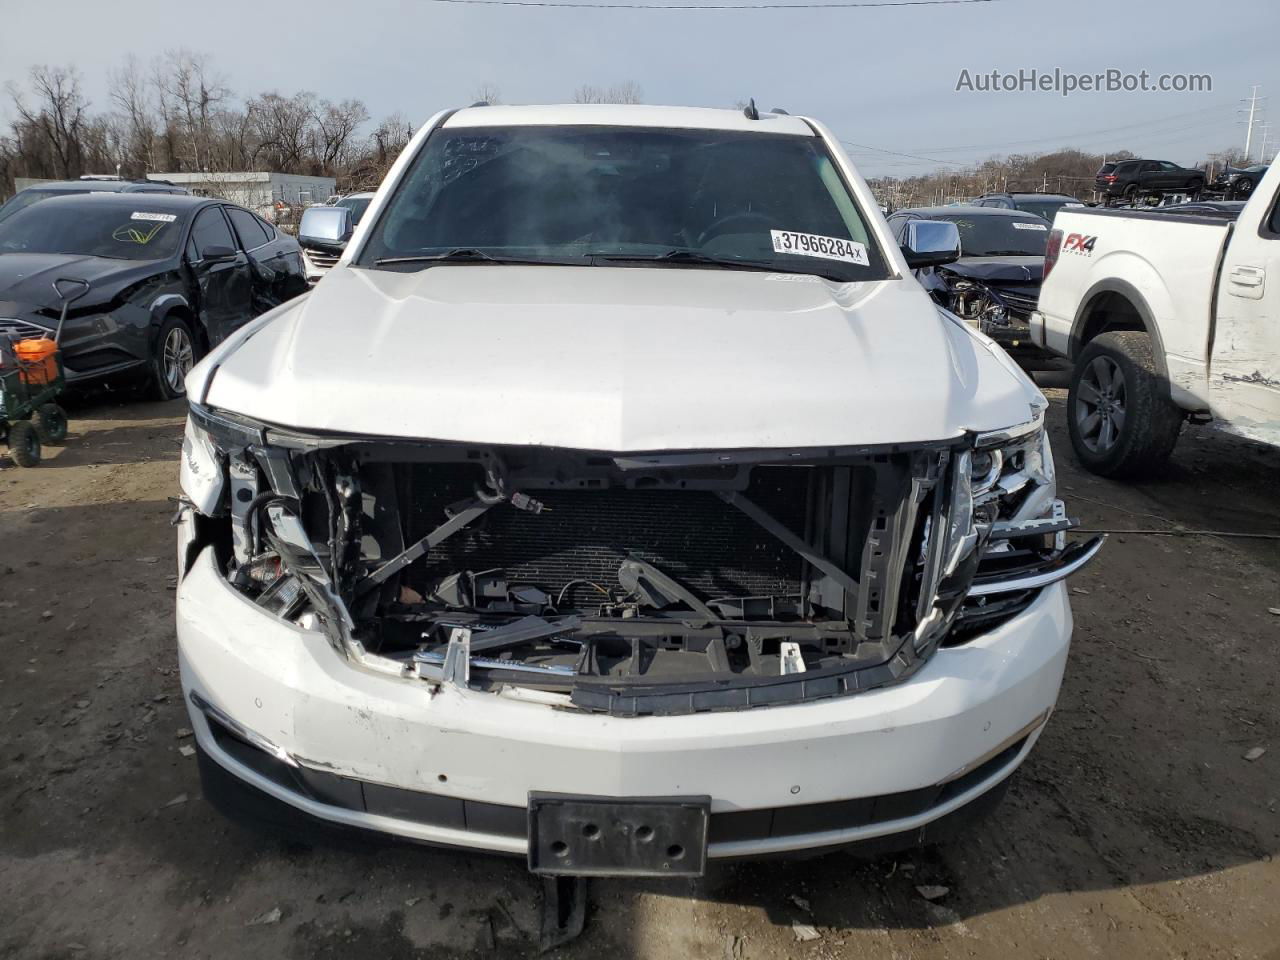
(1136, 829)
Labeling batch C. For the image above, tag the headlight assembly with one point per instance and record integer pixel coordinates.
(203, 472)
(1017, 526)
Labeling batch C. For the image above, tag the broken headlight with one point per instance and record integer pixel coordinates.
(203, 473)
(1016, 541)
(1012, 473)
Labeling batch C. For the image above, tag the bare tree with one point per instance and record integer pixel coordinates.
(336, 131)
(283, 125)
(392, 136)
(132, 96)
(628, 91)
(58, 114)
(192, 92)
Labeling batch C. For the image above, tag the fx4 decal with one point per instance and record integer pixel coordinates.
(1079, 243)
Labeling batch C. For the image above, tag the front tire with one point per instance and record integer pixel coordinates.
(172, 359)
(1121, 420)
(1243, 188)
(24, 443)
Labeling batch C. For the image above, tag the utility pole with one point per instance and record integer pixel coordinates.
(1262, 151)
(1253, 110)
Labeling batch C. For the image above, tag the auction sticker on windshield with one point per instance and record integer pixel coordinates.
(161, 217)
(1030, 226)
(813, 245)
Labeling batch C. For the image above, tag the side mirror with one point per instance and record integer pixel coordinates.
(218, 254)
(931, 243)
(325, 227)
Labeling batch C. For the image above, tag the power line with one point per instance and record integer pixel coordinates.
(1059, 138)
(899, 153)
(583, 4)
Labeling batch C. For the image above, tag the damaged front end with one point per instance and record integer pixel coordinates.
(631, 584)
(998, 303)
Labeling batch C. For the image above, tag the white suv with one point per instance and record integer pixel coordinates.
(619, 501)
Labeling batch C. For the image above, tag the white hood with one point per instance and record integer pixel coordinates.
(616, 359)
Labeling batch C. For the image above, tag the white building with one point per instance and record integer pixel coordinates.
(256, 189)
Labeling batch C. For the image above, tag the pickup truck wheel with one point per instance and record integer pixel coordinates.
(1121, 420)
(1243, 188)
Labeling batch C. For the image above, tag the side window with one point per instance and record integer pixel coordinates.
(1273, 224)
(267, 228)
(1150, 166)
(211, 230)
(248, 227)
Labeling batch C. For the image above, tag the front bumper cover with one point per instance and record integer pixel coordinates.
(361, 749)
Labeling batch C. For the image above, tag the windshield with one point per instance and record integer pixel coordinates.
(1045, 208)
(23, 200)
(83, 227)
(988, 236)
(357, 206)
(622, 195)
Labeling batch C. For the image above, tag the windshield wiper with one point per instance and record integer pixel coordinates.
(697, 258)
(686, 256)
(472, 255)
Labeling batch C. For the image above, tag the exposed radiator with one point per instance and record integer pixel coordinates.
(585, 535)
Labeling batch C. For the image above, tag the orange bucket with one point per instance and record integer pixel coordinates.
(36, 360)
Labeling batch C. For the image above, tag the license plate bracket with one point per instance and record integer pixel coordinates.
(573, 835)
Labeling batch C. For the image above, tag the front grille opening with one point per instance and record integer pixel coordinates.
(666, 583)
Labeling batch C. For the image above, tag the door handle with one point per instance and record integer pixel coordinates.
(1247, 276)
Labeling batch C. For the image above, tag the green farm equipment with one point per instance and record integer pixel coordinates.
(31, 379)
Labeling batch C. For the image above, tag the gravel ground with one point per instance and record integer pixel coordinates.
(1137, 828)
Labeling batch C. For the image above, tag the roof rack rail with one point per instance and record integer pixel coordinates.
(780, 112)
(482, 103)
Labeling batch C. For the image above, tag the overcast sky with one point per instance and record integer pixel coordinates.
(883, 78)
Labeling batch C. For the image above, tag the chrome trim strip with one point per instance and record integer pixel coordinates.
(1033, 581)
(243, 732)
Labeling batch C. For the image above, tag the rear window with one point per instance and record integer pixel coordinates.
(1108, 168)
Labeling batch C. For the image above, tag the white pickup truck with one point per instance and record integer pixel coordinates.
(1167, 316)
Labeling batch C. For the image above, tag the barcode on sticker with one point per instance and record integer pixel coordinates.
(160, 217)
(1029, 226)
(813, 245)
